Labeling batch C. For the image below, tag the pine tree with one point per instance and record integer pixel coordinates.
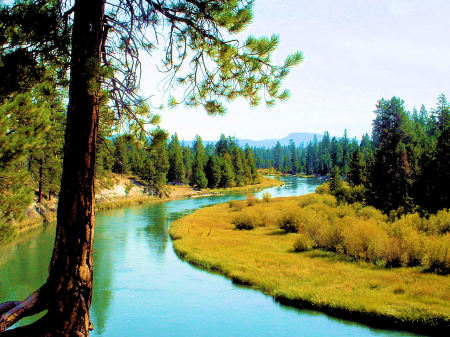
(199, 150)
(227, 172)
(442, 178)
(213, 172)
(121, 161)
(357, 169)
(277, 156)
(199, 177)
(252, 173)
(187, 160)
(176, 172)
(156, 167)
(239, 164)
(391, 182)
(23, 123)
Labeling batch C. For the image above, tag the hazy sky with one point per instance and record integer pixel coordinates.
(356, 52)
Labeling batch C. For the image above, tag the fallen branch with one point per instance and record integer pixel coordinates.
(13, 311)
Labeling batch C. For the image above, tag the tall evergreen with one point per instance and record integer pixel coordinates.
(176, 172)
(227, 172)
(252, 172)
(391, 173)
(213, 171)
(187, 160)
(277, 156)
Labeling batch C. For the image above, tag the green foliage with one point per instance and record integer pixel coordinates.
(176, 172)
(248, 219)
(244, 221)
(290, 222)
(213, 172)
(303, 244)
(24, 125)
(200, 160)
(365, 233)
(227, 176)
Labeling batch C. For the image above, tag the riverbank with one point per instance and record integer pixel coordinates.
(135, 196)
(118, 192)
(264, 258)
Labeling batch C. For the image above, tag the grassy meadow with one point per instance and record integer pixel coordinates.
(307, 251)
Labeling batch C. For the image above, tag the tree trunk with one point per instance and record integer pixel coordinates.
(71, 268)
(68, 292)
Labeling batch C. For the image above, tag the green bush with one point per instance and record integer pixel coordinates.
(249, 219)
(323, 189)
(370, 212)
(437, 255)
(314, 198)
(303, 244)
(244, 221)
(439, 223)
(290, 222)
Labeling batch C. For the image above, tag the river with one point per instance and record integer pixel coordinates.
(143, 289)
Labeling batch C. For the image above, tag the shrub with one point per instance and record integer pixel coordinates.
(314, 198)
(290, 222)
(323, 189)
(303, 243)
(370, 212)
(330, 237)
(266, 196)
(244, 221)
(385, 250)
(356, 238)
(249, 219)
(235, 204)
(251, 199)
(437, 256)
(439, 223)
(412, 247)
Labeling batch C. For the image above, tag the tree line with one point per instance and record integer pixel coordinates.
(402, 166)
(318, 157)
(222, 165)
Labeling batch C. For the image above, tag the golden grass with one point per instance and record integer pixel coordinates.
(264, 258)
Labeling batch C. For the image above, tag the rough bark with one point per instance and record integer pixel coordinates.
(71, 269)
(68, 291)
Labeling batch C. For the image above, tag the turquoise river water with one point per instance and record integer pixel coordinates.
(143, 289)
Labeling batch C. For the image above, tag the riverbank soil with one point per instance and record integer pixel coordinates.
(263, 258)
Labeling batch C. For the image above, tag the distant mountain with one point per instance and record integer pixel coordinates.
(298, 138)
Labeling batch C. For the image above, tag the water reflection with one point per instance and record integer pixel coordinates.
(157, 228)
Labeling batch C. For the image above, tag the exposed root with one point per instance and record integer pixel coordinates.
(12, 312)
